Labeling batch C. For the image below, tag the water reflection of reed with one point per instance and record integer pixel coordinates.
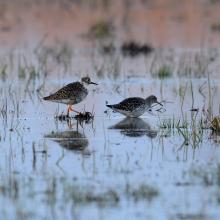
(134, 127)
(71, 140)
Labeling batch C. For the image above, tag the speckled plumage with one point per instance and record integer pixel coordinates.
(70, 94)
(134, 106)
(130, 104)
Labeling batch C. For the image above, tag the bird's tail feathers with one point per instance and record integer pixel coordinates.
(110, 106)
(47, 98)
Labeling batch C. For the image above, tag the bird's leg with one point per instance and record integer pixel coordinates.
(68, 112)
(70, 109)
(69, 123)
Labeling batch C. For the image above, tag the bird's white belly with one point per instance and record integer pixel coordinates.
(134, 114)
(63, 101)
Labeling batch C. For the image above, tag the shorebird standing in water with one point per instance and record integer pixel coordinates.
(71, 94)
(135, 106)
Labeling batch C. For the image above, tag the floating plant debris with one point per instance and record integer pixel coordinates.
(62, 117)
(84, 116)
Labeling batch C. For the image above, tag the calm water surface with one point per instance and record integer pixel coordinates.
(112, 167)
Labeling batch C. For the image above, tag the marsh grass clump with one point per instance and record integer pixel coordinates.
(21, 72)
(61, 53)
(143, 192)
(3, 71)
(101, 30)
(191, 131)
(164, 72)
(110, 197)
(215, 124)
(109, 66)
(162, 64)
(194, 216)
(166, 63)
(218, 174)
(87, 196)
(206, 176)
(107, 49)
(33, 73)
(194, 64)
(114, 67)
(172, 123)
(201, 65)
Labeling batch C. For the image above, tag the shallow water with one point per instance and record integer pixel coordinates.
(112, 167)
(159, 166)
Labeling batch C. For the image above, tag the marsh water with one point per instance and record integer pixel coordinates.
(110, 167)
(162, 165)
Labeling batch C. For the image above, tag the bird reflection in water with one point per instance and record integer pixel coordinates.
(134, 127)
(80, 119)
(70, 140)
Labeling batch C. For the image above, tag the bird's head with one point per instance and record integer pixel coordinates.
(87, 80)
(152, 99)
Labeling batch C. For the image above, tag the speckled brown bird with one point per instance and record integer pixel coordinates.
(71, 94)
(135, 106)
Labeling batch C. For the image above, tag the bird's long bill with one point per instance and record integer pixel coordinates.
(93, 83)
(159, 103)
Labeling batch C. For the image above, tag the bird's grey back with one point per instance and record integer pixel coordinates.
(130, 104)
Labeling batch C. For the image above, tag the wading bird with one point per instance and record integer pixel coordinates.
(71, 94)
(135, 106)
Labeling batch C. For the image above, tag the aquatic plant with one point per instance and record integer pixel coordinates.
(215, 124)
(101, 30)
(164, 72)
(142, 192)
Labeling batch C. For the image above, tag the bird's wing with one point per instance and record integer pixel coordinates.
(67, 91)
(130, 103)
